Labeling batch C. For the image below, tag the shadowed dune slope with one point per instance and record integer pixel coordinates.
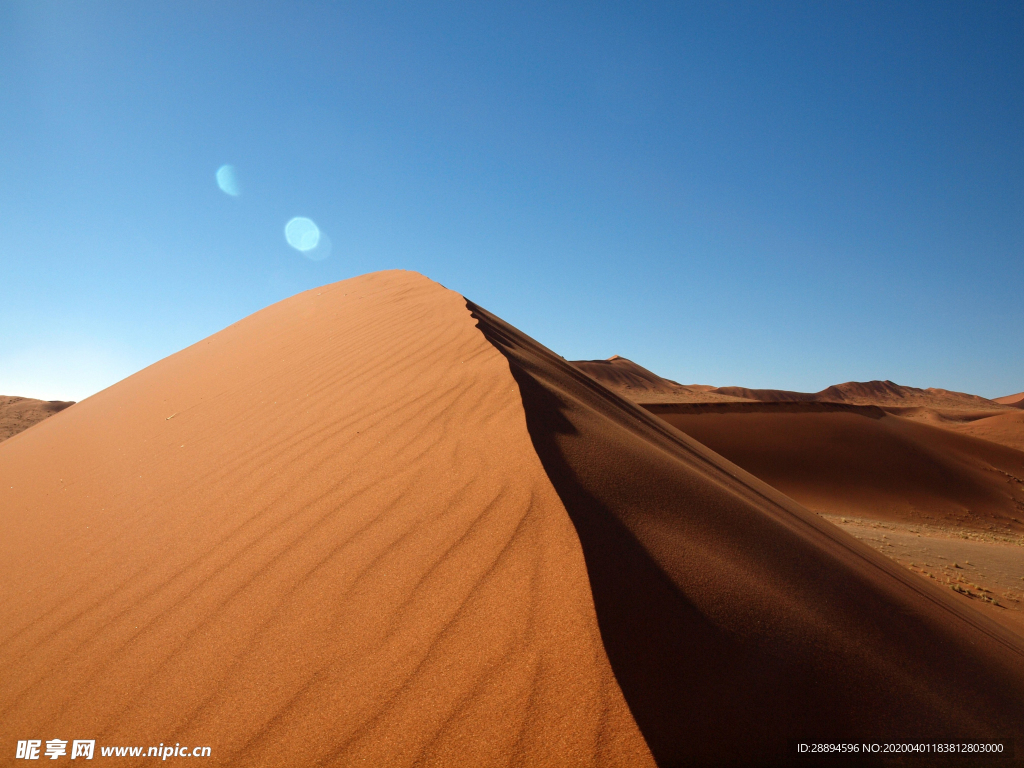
(319, 537)
(19, 413)
(736, 620)
(858, 460)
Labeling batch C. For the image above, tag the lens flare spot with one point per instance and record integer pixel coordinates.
(322, 250)
(227, 180)
(302, 234)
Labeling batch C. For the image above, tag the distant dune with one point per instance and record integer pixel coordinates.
(635, 382)
(375, 525)
(859, 460)
(992, 419)
(882, 393)
(641, 385)
(619, 373)
(19, 413)
(1017, 401)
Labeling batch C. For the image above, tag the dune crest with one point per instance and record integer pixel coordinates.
(319, 537)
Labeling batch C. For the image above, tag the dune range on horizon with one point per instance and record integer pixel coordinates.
(374, 524)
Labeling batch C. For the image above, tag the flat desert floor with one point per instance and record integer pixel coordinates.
(984, 569)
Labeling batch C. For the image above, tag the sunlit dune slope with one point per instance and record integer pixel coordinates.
(858, 460)
(735, 619)
(638, 384)
(618, 372)
(319, 537)
(19, 413)
(1017, 401)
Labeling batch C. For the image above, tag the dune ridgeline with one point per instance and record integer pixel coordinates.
(375, 525)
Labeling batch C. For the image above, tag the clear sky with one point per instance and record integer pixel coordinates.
(772, 194)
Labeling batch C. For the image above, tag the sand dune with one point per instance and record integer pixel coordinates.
(734, 618)
(355, 528)
(881, 393)
(320, 536)
(19, 413)
(619, 373)
(1004, 428)
(861, 461)
(991, 420)
(638, 384)
(933, 405)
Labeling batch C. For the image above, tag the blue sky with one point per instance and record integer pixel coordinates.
(771, 194)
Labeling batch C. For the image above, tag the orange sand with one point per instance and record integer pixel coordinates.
(1017, 401)
(318, 536)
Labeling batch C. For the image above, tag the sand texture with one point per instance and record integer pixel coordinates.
(318, 537)
(862, 461)
(374, 525)
(19, 413)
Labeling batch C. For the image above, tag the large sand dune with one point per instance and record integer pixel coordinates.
(320, 536)
(355, 528)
